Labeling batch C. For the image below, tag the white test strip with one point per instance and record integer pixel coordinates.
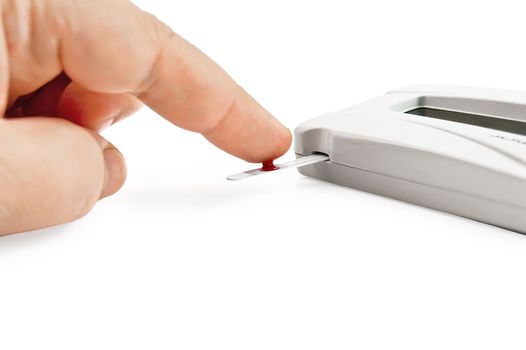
(303, 161)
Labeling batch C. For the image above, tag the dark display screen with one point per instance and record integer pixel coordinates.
(507, 125)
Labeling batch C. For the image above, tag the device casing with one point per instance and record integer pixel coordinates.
(471, 171)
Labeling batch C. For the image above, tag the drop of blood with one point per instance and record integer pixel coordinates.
(269, 166)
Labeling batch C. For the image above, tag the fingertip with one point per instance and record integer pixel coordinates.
(278, 145)
(269, 140)
(115, 172)
(284, 142)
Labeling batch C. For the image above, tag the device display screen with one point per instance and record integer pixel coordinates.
(507, 125)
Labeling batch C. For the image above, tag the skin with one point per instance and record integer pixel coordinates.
(63, 79)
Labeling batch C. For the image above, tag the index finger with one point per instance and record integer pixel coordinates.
(114, 47)
(195, 93)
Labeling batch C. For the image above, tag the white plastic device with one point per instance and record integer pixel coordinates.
(456, 149)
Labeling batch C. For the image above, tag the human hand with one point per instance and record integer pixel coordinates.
(70, 68)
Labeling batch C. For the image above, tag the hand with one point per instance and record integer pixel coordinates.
(70, 68)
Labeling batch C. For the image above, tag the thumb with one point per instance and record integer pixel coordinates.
(52, 172)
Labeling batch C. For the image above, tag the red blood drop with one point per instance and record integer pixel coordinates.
(269, 166)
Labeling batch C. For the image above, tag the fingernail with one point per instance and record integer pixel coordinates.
(115, 174)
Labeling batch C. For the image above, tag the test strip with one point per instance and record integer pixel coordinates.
(303, 161)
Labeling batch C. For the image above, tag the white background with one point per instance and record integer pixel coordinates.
(182, 259)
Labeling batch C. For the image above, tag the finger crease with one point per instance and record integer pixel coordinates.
(154, 73)
(223, 118)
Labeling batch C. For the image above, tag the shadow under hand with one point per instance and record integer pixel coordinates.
(210, 195)
(24, 239)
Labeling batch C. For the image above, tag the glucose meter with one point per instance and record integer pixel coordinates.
(455, 149)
